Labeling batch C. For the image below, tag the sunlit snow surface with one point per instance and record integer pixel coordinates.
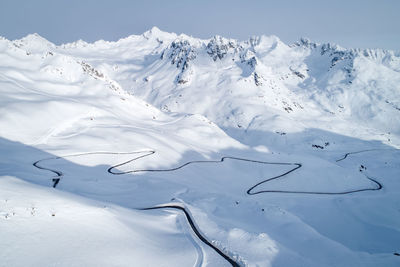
(264, 105)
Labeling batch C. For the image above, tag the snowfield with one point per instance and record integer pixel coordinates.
(167, 150)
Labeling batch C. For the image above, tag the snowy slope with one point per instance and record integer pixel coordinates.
(258, 85)
(251, 137)
(41, 227)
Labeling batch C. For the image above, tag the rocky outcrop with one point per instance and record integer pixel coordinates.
(181, 53)
(96, 74)
(218, 47)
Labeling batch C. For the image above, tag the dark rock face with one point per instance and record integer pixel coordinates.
(98, 75)
(258, 79)
(304, 42)
(219, 47)
(181, 53)
(337, 54)
(87, 68)
(252, 62)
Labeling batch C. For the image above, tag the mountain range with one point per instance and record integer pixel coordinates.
(280, 154)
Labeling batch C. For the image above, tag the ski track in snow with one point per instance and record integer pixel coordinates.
(181, 207)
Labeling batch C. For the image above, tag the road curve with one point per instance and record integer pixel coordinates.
(59, 174)
(179, 207)
(362, 151)
(251, 191)
(195, 229)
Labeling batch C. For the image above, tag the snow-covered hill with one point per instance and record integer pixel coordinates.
(250, 136)
(257, 85)
(245, 87)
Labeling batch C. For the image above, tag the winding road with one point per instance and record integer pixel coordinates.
(195, 229)
(362, 151)
(251, 191)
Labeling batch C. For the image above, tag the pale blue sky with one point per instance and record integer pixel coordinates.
(350, 23)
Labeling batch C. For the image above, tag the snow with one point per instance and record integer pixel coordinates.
(197, 123)
(43, 227)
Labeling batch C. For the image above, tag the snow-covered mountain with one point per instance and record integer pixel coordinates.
(257, 85)
(287, 119)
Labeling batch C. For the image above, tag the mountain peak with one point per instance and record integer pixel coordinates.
(35, 38)
(155, 32)
(34, 43)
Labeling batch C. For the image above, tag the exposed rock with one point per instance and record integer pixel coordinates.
(96, 74)
(181, 52)
(258, 79)
(219, 47)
